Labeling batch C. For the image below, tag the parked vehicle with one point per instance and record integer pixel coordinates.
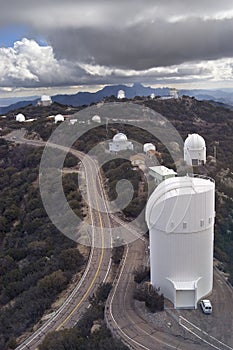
(206, 306)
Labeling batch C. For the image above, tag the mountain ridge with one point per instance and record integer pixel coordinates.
(223, 96)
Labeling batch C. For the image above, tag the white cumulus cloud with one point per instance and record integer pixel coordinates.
(29, 64)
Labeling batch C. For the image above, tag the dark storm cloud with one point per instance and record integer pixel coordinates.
(128, 34)
(147, 45)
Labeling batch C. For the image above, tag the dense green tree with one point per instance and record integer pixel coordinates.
(71, 260)
(154, 301)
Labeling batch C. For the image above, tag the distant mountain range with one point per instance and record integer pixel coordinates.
(224, 96)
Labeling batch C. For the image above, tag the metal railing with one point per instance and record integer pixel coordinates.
(199, 176)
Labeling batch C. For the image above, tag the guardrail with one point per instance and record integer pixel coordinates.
(199, 176)
(107, 314)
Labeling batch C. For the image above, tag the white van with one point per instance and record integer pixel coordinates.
(206, 306)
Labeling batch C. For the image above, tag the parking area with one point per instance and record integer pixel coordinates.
(217, 327)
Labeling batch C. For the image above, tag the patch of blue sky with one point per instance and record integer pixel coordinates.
(10, 34)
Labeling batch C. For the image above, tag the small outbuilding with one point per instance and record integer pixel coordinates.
(73, 121)
(138, 160)
(161, 173)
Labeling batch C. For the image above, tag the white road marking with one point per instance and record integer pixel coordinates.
(203, 332)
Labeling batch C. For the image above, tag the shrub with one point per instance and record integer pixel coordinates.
(150, 295)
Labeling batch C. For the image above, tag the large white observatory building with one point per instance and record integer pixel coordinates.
(194, 150)
(120, 143)
(180, 216)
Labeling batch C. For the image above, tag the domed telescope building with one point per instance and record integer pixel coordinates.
(120, 143)
(20, 118)
(96, 119)
(121, 94)
(45, 100)
(59, 118)
(194, 150)
(180, 216)
(148, 147)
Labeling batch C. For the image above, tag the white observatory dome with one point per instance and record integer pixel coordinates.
(96, 119)
(45, 98)
(119, 137)
(194, 141)
(194, 150)
(20, 118)
(121, 94)
(59, 118)
(180, 216)
(120, 143)
(148, 147)
(45, 101)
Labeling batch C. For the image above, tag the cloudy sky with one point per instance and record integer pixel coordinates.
(66, 46)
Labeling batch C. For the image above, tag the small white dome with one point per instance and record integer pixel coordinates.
(120, 137)
(194, 142)
(148, 147)
(20, 118)
(45, 98)
(59, 118)
(121, 94)
(96, 119)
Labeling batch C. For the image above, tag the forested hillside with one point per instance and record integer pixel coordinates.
(36, 261)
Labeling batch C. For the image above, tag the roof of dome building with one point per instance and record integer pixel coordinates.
(20, 117)
(177, 187)
(45, 98)
(194, 141)
(59, 118)
(148, 147)
(120, 137)
(121, 94)
(96, 119)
